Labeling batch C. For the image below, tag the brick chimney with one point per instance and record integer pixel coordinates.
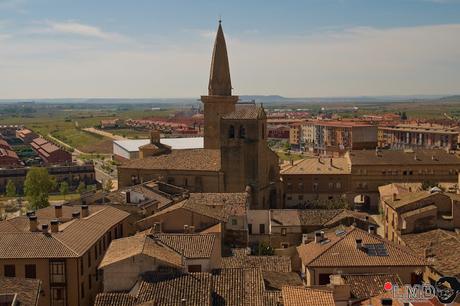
(76, 215)
(371, 229)
(58, 211)
(33, 224)
(45, 228)
(84, 211)
(54, 225)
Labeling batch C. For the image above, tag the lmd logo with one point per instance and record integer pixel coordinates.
(445, 290)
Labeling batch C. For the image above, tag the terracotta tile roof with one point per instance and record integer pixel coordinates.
(27, 290)
(195, 288)
(276, 280)
(444, 245)
(112, 299)
(398, 188)
(124, 248)
(364, 286)
(266, 263)
(300, 296)
(68, 242)
(410, 197)
(219, 206)
(237, 287)
(190, 245)
(246, 112)
(186, 159)
(314, 217)
(341, 251)
(273, 298)
(340, 165)
(400, 157)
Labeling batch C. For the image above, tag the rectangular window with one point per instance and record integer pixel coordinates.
(300, 197)
(283, 231)
(194, 268)
(31, 271)
(250, 228)
(82, 265)
(57, 272)
(234, 221)
(95, 252)
(90, 284)
(9, 270)
(261, 228)
(89, 258)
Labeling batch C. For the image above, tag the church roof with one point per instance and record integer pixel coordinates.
(187, 159)
(219, 78)
(246, 111)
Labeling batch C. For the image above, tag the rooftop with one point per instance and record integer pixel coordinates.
(320, 166)
(341, 250)
(423, 128)
(219, 206)
(246, 112)
(411, 197)
(187, 159)
(364, 286)
(403, 157)
(27, 290)
(300, 296)
(132, 145)
(240, 259)
(443, 249)
(17, 241)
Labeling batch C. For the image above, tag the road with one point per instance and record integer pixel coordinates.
(103, 133)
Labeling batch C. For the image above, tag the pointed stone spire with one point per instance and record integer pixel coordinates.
(219, 78)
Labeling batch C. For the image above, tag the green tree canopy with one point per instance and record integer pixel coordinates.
(81, 187)
(10, 189)
(37, 186)
(108, 185)
(64, 188)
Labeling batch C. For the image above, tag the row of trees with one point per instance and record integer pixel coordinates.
(39, 184)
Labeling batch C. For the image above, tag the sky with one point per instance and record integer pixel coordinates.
(162, 49)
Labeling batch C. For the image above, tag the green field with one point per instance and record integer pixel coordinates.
(66, 123)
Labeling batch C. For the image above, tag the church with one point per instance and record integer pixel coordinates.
(235, 157)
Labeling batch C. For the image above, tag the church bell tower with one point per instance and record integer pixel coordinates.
(219, 100)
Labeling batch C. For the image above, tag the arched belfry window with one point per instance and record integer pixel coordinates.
(242, 132)
(231, 132)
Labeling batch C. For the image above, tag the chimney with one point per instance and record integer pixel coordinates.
(33, 223)
(191, 229)
(359, 243)
(84, 211)
(292, 162)
(371, 229)
(76, 215)
(58, 211)
(366, 218)
(186, 229)
(183, 302)
(332, 164)
(54, 225)
(128, 197)
(415, 156)
(45, 228)
(157, 227)
(30, 213)
(395, 196)
(318, 237)
(154, 136)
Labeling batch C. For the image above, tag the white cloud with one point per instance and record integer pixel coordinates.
(354, 61)
(75, 28)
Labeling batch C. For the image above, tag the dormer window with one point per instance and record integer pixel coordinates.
(231, 132)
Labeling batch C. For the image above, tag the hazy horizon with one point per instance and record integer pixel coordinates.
(51, 49)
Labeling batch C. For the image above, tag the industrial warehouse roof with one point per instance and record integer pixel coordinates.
(132, 145)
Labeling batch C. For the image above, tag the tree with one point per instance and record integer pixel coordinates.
(37, 186)
(264, 249)
(81, 188)
(10, 189)
(108, 185)
(64, 188)
(403, 116)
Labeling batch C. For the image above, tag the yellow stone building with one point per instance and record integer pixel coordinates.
(235, 155)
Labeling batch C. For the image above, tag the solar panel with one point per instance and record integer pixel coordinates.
(376, 249)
